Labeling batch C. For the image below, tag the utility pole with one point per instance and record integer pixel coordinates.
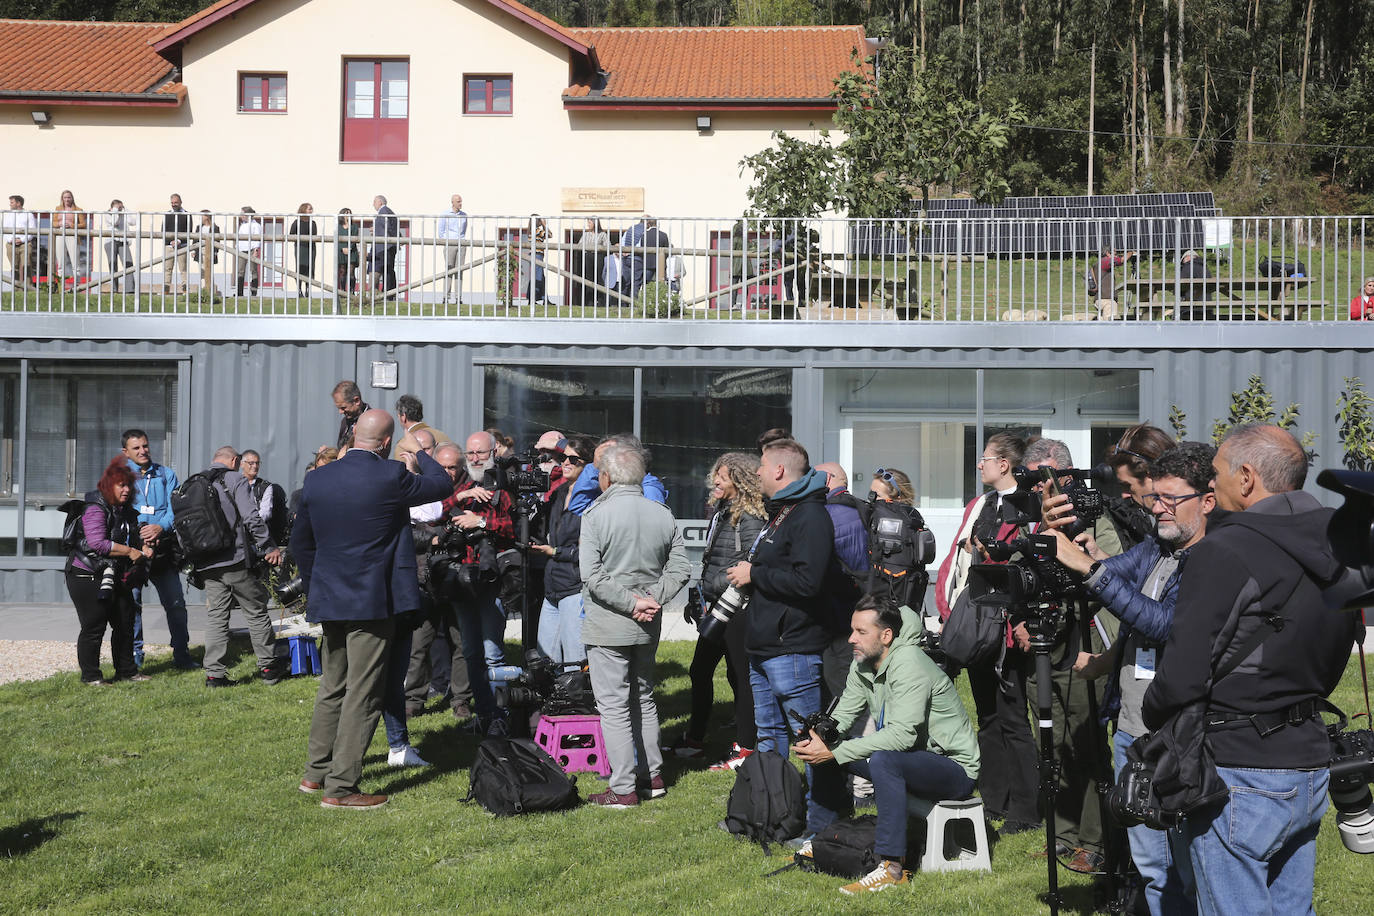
(1092, 110)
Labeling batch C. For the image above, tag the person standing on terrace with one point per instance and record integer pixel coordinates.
(1362, 306)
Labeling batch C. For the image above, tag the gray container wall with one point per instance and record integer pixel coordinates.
(275, 397)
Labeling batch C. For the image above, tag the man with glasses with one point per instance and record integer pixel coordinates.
(1141, 587)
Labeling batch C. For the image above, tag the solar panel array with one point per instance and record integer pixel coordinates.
(1044, 226)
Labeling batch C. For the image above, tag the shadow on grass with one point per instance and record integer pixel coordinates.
(24, 838)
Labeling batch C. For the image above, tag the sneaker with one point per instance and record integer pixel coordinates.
(737, 756)
(801, 845)
(879, 879)
(656, 789)
(612, 799)
(1012, 828)
(212, 681)
(138, 678)
(274, 673)
(405, 756)
(414, 709)
(186, 663)
(685, 747)
(98, 682)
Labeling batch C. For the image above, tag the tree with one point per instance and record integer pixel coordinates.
(1254, 404)
(1355, 414)
(793, 179)
(908, 129)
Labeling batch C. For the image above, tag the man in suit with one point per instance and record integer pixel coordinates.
(352, 543)
(410, 413)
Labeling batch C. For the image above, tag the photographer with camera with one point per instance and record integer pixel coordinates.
(735, 526)
(924, 744)
(1258, 575)
(479, 526)
(1080, 742)
(1141, 587)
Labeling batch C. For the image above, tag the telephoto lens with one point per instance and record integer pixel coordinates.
(107, 581)
(714, 621)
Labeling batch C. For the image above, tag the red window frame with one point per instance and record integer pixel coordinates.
(266, 81)
(373, 138)
(489, 96)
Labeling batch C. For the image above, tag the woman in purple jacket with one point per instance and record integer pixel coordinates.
(102, 572)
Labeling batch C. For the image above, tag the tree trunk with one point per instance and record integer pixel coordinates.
(1135, 120)
(1092, 115)
(1202, 130)
(1252, 25)
(1025, 25)
(1168, 76)
(1306, 57)
(1180, 93)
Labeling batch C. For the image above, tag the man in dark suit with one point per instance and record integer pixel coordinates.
(352, 543)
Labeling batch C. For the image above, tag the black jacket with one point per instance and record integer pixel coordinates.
(789, 610)
(562, 575)
(728, 545)
(1273, 557)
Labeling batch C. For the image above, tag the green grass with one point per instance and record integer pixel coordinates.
(167, 797)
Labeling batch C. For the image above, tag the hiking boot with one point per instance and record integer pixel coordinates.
(685, 747)
(612, 799)
(736, 757)
(888, 874)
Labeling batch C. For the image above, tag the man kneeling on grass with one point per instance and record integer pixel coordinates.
(924, 745)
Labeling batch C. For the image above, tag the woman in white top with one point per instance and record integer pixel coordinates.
(248, 242)
(116, 244)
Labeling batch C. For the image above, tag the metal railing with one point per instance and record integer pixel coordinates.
(432, 265)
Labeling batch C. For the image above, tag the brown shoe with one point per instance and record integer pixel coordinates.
(356, 801)
(462, 712)
(1085, 862)
(309, 787)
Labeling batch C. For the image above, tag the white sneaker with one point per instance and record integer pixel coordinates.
(405, 757)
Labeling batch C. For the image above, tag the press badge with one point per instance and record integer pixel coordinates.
(1144, 664)
(146, 510)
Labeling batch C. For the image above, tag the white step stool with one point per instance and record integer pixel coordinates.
(938, 817)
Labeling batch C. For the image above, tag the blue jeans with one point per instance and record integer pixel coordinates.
(483, 628)
(1166, 882)
(894, 775)
(784, 684)
(394, 693)
(560, 629)
(1258, 853)
(167, 581)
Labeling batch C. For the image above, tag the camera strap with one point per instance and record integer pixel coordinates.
(773, 525)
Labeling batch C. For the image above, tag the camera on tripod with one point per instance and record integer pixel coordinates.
(518, 475)
(1088, 503)
(1038, 579)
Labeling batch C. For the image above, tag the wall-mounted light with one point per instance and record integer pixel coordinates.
(42, 118)
(703, 124)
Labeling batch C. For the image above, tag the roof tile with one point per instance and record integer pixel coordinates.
(777, 63)
(44, 56)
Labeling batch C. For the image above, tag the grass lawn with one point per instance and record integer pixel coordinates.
(168, 797)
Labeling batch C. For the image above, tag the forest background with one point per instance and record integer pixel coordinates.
(1268, 103)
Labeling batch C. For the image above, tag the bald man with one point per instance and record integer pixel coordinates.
(231, 578)
(352, 542)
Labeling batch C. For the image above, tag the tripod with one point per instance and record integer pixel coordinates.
(1043, 624)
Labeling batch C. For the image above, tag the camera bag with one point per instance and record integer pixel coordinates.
(767, 803)
(198, 518)
(516, 776)
(844, 849)
(900, 545)
(973, 634)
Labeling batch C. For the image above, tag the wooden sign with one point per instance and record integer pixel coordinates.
(603, 200)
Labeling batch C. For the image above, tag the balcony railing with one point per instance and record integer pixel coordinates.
(426, 265)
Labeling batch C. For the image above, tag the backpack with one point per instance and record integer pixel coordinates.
(899, 547)
(767, 803)
(973, 634)
(516, 776)
(73, 532)
(844, 849)
(198, 518)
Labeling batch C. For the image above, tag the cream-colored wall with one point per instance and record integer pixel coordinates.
(220, 159)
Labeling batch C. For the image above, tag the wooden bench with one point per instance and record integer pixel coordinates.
(1273, 300)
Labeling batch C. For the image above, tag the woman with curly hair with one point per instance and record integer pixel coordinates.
(108, 562)
(738, 520)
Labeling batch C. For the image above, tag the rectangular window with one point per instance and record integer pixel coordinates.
(76, 412)
(260, 92)
(376, 111)
(487, 95)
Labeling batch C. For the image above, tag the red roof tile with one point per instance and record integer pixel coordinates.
(763, 64)
(82, 57)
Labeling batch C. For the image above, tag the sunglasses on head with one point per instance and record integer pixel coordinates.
(885, 474)
(1120, 450)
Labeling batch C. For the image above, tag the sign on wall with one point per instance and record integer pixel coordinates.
(603, 200)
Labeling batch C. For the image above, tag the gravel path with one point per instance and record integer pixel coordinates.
(34, 659)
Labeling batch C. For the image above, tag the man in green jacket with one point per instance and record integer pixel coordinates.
(925, 744)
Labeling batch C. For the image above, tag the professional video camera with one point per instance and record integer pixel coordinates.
(452, 578)
(1088, 503)
(518, 475)
(556, 689)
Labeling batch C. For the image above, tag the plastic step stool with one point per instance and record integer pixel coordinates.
(575, 742)
(944, 852)
(305, 655)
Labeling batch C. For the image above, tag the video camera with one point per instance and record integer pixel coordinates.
(556, 689)
(450, 576)
(1088, 503)
(518, 475)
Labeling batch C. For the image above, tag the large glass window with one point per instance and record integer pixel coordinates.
(692, 416)
(526, 401)
(76, 412)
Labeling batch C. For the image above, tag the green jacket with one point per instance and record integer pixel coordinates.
(916, 706)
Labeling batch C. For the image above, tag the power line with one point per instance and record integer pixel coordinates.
(1118, 133)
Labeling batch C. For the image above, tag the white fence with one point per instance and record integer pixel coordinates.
(434, 265)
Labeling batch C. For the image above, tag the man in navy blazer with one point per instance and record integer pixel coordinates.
(352, 543)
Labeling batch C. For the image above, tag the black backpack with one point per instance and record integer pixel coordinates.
(198, 519)
(900, 546)
(973, 634)
(73, 532)
(844, 849)
(516, 776)
(767, 803)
